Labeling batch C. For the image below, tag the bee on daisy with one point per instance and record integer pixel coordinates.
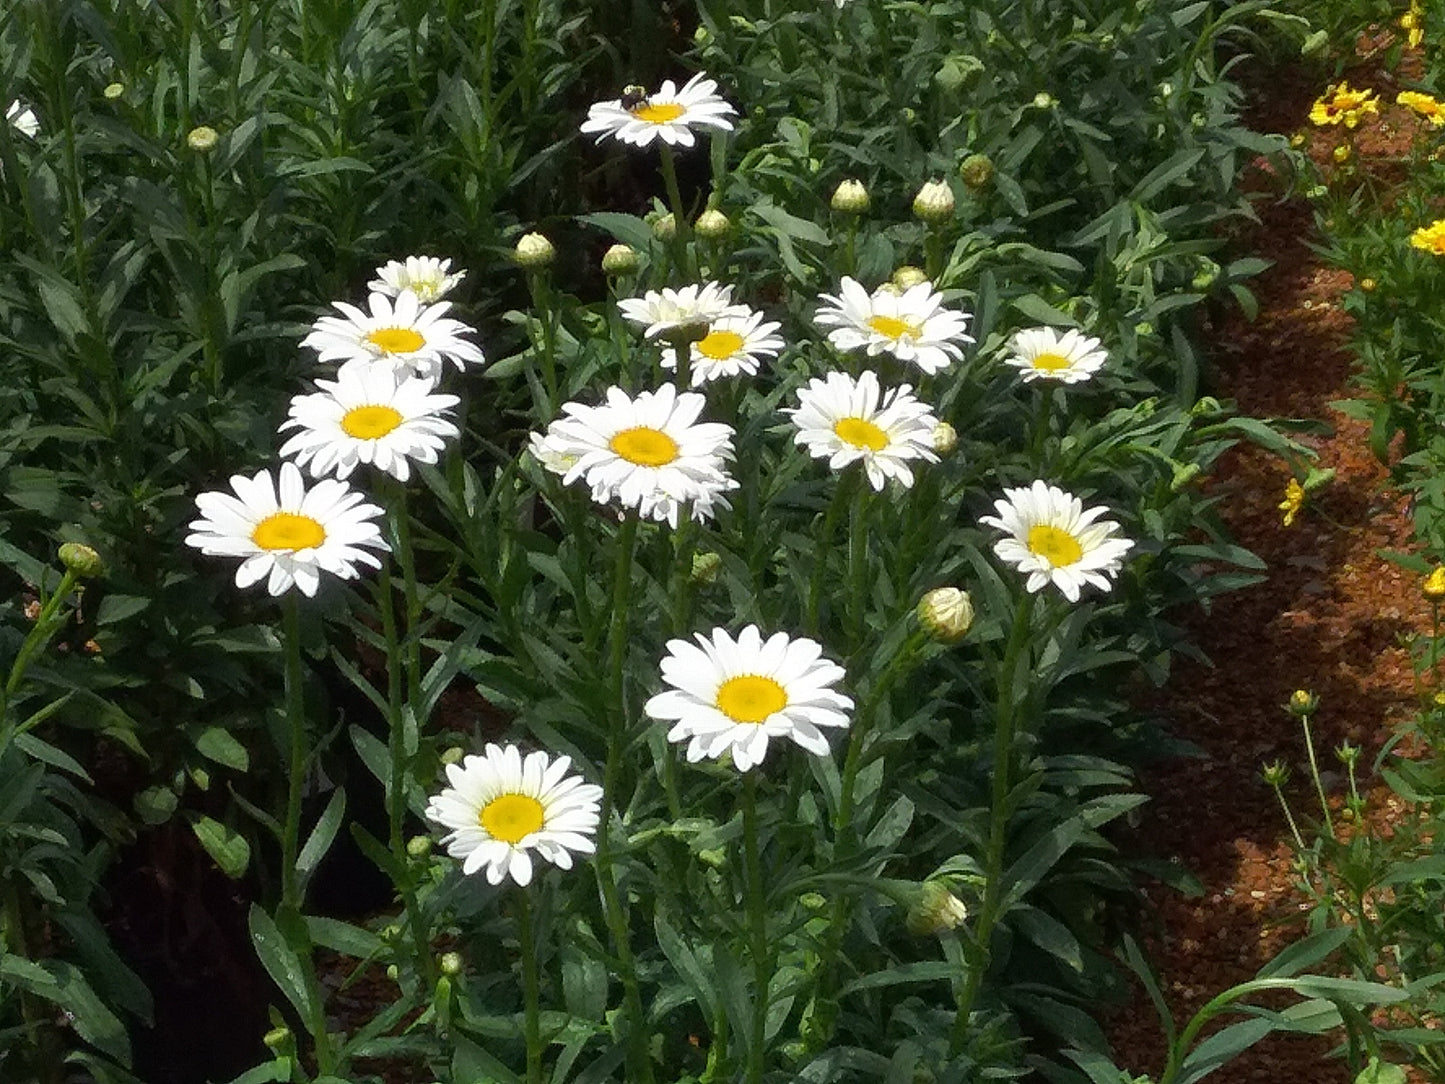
(368, 415)
(287, 534)
(669, 114)
(502, 809)
(845, 421)
(1041, 353)
(734, 695)
(403, 333)
(911, 324)
(430, 278)
(1050, 535)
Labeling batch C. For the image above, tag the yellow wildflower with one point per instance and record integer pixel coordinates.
(1424, 105)
(1434, 585)
(1342, 153)
(1294, 500)
(1413, 23)
(1430, 238)
(1341, 104)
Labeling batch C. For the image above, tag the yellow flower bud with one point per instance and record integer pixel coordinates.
(712, 225)
(621, 260)
(534, 252)
(202, 140)
(1434, 585)
(935, 910)
(934, 202)
(947, 614)
(850, 198)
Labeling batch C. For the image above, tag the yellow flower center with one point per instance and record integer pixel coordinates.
(370, 422)
(890, 327)
(288, 531)
(861, 434)
(720, 345)
(396, 340)
(1057, 547)
(1050, 362)
(644, 446)
(512, 817)
(658, 112)
(750, 698)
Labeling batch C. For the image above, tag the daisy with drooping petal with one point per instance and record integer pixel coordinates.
(912, 325)
(842, 420)
(404, 335)
(368, 415)
(733, 345)
(649, 453)
(670, 114)
(500, 808)
(426, 276)
(1041, 353)
(733, 695)
(23, 119)
(659, 311)
(288, 535)
(1055, 539)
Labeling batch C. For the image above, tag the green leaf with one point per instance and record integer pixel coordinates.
(229, 848)
(918, 971)
(1034, 863)
(1305, 953)
(1381, 1072)
(116, 608)
(1036, 308)
(322, 836)
(629, 229)
(1221, 1047)
(281, 962)
(1049, 934)
(49, 754)
(155, 805)
(216, 743)
(1165, 174)
(344, 938)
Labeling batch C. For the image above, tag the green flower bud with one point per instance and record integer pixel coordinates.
(850, 198)
(418, 846)
(947, 614)
(113, 91)
(908, 276)
(534, 252)
(1044, 100)
(664, 227)
(1303, 703)
(621, 260)
(280, 1040)
(977, 171)
(934, 202)
(450, 963)
(957, 72)
(813, 901)
(82, 560)
(712, 225)
(202, 140)
(1275, 774)
(944, 438)
(935, 910)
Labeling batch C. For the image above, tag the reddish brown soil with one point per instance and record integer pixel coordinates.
(1332, 617)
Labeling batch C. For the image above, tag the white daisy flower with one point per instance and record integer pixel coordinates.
(733, 345)
(1041, 353)
(368, 415)
(500, 808)
(649, 453)
(913, 325)
(841, 420)
(23, 119)
(733, 695)
(288, 535)
(426, 276)
(1054, 538)
(669, 115)
(661, 311)
(404, 335)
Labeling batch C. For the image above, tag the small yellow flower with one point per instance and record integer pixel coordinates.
(1342, 153)
(1369, 285)
(1434, 585)
(1424, 105)
(1413, 23)
(1341, 104)
(1294, 500)
(1430, 238)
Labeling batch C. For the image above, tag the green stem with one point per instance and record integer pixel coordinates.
(296, 774)
(682, 355)
(840, 497)
(933, 254)
(531, 996)
(35, 641)
(1006, 715)
(757, 931)
(406, 559)
(46, 1058)
(858, 593)
(542, 300)
(1315, 775)
(1040, 435)
(679, 212)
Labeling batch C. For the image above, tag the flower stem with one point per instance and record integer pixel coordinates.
(1315, 775)
(679, 213)
(858, 592)
(296, 774)
(1006, 715)
(757, 931)
(531, 999)
(825, 544)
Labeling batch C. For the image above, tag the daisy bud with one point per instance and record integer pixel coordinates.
(1303, 703)
(1434, 585)
(935, 910)
(947, 614)
(813, 901)
(976, 171)
(934, 202)
(1347, 754)
(450, 963)
(712, 225)
(909, 276)
(202, 140)
(534, 252)
(957, 72)
(1275, 774)
(664, 227)
(850, 198)
(620, 260)
(705, 567)
(279, 1040)
(452, 755)
(1044, 100)
(945, 439)
(82, 560)
(393, 972)
(418, 846)
(113, 91)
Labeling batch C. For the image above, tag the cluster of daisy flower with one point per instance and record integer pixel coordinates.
(382, 410)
